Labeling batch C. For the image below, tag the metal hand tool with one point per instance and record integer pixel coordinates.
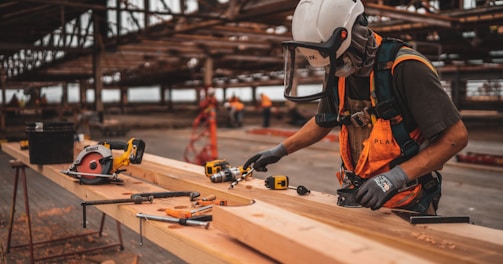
(417, 218)
(187, 214)
(136, 200)
(203, 220)
(158, 195)
(241, 178)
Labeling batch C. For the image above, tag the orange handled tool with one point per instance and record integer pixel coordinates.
(210, 197)
(187, 214)
(215, 202)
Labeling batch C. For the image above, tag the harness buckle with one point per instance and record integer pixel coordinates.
(353, 179)
(349, 178)
(362, 118)
(386, 109)
(409, 148)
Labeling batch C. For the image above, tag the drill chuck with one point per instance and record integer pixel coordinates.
(225, 175)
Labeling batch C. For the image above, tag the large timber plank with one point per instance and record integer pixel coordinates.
(290, 238)
(437, 242)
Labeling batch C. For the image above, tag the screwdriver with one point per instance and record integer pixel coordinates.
(199, 221)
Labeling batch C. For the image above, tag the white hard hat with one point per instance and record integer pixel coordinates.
(316, 20)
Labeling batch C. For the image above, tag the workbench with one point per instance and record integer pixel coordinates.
(267, 226)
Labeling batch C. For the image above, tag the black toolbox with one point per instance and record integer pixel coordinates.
(50, 142)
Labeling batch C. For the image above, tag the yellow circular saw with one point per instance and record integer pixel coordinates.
(95, 164)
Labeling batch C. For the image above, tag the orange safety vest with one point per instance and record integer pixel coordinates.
(266, 102)
(238, 105)
(380, 149)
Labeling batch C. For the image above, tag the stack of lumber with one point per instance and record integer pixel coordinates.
(264, 226)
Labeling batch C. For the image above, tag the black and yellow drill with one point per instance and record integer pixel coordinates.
(221, 171)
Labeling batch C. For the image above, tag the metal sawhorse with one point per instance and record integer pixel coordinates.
(21, 171)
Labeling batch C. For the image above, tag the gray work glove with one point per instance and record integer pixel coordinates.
(266, 157)
(377, 190)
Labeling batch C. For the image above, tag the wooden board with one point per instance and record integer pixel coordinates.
(436, 242)
(377, 229)
(291, 238)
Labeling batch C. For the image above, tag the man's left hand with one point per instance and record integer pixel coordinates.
(376, 191)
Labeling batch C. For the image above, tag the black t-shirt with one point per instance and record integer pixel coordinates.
(422, 97)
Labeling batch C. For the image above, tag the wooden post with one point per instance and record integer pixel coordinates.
(170, 100)
(162, 94)
(100, 32)
(64, 99)
(83, 86)
(3, 77)
(124, 99)
(254, 95)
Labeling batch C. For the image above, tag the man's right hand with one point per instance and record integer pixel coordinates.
(266, 157)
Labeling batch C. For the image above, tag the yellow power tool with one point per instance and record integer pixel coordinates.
(214, 166)
(95, 164)
(280, 182)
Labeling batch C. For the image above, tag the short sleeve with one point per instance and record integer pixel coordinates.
(426, 101)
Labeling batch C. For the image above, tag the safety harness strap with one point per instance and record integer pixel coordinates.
(387, 107)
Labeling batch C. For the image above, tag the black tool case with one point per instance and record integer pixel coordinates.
(50, 142)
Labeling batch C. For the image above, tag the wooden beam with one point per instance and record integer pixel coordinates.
(436, 242)
(290, 238)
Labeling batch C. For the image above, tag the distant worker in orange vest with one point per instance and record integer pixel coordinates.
(266, 105)
(391, 149)
(236, 108)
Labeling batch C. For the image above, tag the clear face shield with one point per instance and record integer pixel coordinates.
(304, 59)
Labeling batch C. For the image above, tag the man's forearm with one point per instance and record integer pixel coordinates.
(308, 134)
(434, 156)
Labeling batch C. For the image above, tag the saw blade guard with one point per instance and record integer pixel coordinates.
(93, 160)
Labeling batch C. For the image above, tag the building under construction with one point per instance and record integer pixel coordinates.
(62, 60)
(86, 47)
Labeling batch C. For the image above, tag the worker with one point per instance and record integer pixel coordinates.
(236, 108)
(266, 105)
(334, 36)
